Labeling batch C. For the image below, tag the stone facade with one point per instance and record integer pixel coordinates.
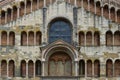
(32, 48)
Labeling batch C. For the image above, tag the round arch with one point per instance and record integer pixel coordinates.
(68, 50)
(59, 48)
(59, 17)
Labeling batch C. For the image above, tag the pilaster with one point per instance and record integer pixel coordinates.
(102, 69)
(75, 18)
(44, 26)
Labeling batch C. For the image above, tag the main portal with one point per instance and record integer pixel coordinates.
(60, 64)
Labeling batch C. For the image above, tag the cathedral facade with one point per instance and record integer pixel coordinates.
(59, 40)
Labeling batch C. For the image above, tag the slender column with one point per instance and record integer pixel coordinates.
(88, 5)
(85, 69)
(113, 41)
(12, 14)
(43, 65)
(31, 5)
(93, 70)
(85, 39)
(34, 70)
(44, 3)
(27, 38)
(5, 17)
(113, 69)
(95, 7)
(8, 38)
(102, 11)
(37, 4)
(109, 14)
(56, 65)
(82, 3)
(26, 69)
(18, 12)
(25, 7)
(35, 38)
(76, 68)
(116, 16)
(7, 69)
(102, 16)
(93, 39)
(75, 3)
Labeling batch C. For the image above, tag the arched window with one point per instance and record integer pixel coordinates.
(34, 5)
(106, 11)
(11, 38)
(30, 68)
(97, 68)
(109, 68)
(60, 29)
(81, 38)
(9, 15)
(112, 13)
(82, 68)
(4, 38)
(31, 38)
(14, 12)
(96, 39)
(89, 68)
(38, 38)
(98, 8)
(117, 38)
(92, 7)
(85, 4)
(109, 38)
(117, 68)
(38, 68)
(22, 8)
(23, 68)
(28, 6)
(118, 16)
(3, 68)
(11, 68)
(23, 38)
(89, 38)
(41, 2)
(2, 17)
